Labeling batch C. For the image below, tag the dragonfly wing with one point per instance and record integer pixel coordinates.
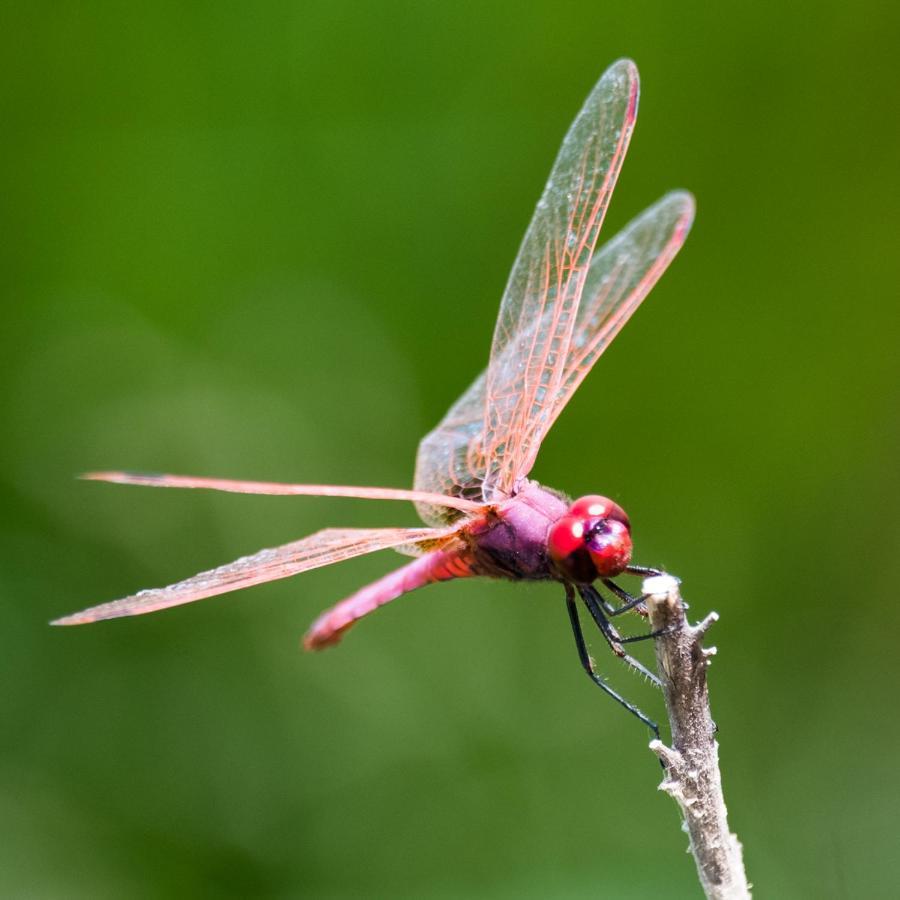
(540, 304)
(269, 487)
(621, 274)
(450, 459)
(320, 549)
(477, 448)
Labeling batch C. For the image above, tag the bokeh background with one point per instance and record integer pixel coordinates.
(269, 242)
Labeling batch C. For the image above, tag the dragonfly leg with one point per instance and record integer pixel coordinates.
(612, 636)
(660, 632)
(588, 665)
(643, 570)
(628, 601)
(640, 570)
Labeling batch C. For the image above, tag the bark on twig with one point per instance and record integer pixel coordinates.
(692, 762)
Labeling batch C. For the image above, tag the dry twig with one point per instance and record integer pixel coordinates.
(692, 762)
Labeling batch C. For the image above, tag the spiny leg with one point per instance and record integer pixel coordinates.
(643, 570)
(588, 666)
(628, 601)
(612, 636)
(597, 597)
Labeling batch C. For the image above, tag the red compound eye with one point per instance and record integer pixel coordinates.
(566, 536)
(593, 506)
(592, 540)
(567, 549)
(609, 545)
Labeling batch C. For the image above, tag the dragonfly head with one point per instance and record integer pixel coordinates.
(592, 540)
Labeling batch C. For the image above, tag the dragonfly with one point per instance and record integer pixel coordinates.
(483, 516)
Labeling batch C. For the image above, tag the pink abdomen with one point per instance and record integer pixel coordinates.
(438, 565)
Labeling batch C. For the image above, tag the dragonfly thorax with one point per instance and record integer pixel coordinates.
(511, 541)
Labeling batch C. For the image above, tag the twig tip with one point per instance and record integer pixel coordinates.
(669, 757)
(660, 585)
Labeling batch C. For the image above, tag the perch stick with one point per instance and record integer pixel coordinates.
(692, 775)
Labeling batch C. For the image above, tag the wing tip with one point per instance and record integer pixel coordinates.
(689, 210)
(122, 477)
(681, 197)
(627, 70)
(73, 619)
(684, 205)
(626, 66)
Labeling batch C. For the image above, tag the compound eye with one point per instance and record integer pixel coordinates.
(566, 536)
(609, 546)
(567, 549)
(593, 506)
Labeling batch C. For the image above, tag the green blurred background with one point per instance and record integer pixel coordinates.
(269, 242)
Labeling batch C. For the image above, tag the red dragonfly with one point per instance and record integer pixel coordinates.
(562, 306)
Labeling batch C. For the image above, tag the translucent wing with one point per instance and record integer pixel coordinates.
(538, 311)
(269, 487)
(478, 448)
(320, 549)
(621, 274)
(450, 460)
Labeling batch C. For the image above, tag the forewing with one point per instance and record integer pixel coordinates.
(284, 490)
(621, 274)
(320, 549)
(468, 448)
(540, 304)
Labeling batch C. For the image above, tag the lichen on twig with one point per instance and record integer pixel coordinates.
(692, 775)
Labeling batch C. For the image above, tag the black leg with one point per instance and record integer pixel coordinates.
(628, 602)
(646, 637)
(588, 666)
(640, 570)
(643, 570)
(613, 638)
